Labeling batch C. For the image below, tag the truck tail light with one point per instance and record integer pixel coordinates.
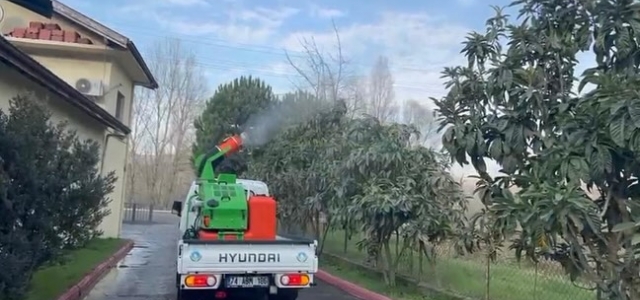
(295, 279)
(200, 280)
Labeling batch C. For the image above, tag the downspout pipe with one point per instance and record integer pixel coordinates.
(107, 137)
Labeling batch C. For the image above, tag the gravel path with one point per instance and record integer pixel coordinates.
(148, 272)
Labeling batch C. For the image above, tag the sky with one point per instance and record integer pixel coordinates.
(250, 37)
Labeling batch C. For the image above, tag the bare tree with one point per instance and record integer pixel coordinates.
(323, 72)
(356, 96)
(381, 92)
(140, 122)
(419, 115)
(162, 123)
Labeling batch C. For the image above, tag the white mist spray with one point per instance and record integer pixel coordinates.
(264, 126)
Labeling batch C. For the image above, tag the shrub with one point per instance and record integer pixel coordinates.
(52, 196)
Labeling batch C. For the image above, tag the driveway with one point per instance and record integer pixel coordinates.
(148, 271)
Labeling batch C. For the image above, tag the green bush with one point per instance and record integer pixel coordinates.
(52, 196)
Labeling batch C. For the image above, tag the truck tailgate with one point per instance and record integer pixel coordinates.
(282, 255)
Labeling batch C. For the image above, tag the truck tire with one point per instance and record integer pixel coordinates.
(180, 295)
(186, 295)
(285, 294)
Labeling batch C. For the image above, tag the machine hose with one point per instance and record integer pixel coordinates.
(192, 231)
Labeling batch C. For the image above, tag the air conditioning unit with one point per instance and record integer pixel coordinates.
(90, 87)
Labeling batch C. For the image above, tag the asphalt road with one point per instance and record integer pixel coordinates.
(148, 272)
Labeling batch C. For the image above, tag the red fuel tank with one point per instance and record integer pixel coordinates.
(262, 218)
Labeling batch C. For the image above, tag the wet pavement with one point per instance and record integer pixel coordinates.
(148, 271)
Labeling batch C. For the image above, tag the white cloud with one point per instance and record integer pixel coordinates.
(418, 46)
(264, 16)
(282, 68)
(254, 26)
(325, 13)
(236, 32)
(152, 7)
(330, 13)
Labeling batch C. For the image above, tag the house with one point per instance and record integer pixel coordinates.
(87, 72)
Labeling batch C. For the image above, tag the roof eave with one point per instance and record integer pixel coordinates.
(107, 33)
(152, 84)
(39, 73)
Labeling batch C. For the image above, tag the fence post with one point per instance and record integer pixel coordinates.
(133, 213)
(420, 259)
(151, 213)
(411, 253)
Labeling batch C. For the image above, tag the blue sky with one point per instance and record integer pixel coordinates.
(242, 37)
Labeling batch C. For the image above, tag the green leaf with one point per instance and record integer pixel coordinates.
(625, 226)
(495, 149)
(634, 112)
(635, 240)
(617, 129)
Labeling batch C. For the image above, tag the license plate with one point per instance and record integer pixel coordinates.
(247, 281)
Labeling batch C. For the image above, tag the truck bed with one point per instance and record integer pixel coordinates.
(285, 254)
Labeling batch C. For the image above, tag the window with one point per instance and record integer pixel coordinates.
(120, 106)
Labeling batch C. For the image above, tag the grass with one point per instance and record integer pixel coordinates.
(52, 281)
(509, 281)
(372, 282)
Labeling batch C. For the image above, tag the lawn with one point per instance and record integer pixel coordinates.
(52, 281)
(371, 282)
(467, 277)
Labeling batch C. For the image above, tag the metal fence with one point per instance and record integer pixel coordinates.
(138, 213)
(463, 277)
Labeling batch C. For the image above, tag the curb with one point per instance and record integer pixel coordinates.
(349, 287)
(87, 283)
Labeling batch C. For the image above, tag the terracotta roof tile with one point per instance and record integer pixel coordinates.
(48, 32)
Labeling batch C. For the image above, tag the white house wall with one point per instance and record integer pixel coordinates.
(12, 83)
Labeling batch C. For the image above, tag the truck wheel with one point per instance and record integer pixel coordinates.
(285, 294)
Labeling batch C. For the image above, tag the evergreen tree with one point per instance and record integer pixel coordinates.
(227, 112)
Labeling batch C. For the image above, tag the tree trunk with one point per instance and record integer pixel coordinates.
(411, 268)
(317, 226)
(390, 271)
(420, 259)
(325, 231)
(346, 239)
(488, 279)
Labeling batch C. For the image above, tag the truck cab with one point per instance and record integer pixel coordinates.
(222, 269)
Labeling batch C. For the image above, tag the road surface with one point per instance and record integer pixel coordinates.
(148, 272)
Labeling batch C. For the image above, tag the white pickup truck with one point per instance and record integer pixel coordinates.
(222, 269)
